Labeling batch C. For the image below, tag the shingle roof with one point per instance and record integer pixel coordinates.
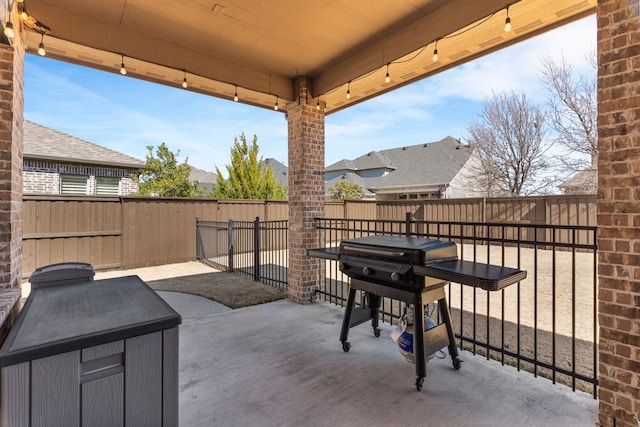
(585, 181)
(43, 143)
(424, 164)
(280, 171)
(348, 177)
(202, 176)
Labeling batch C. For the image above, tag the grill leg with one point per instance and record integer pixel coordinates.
(446, 317)
(374, 305)
(346, 320)
(418, 340)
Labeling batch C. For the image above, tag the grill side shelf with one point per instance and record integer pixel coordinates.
(486, 276)
(324, 253)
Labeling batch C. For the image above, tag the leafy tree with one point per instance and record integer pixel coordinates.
(346, 191)
(249, 177)
(164, 177)
(574, 108)
(510, 136)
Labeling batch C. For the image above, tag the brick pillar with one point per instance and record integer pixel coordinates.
(306, 192)
(11, 121)
(619, 212)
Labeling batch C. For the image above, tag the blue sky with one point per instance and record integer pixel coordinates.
(127, 115)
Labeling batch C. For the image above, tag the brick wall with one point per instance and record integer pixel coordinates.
(619, 212)
(11, 119)
(306, 193)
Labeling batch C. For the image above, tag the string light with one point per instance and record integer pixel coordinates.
(318, 104)
(386, 78)
(123, 70)
(184, 80)
(275, 107)
(435, 52)
(507, 22)
(22, 9)
(41, 50)
(8, 30)
(235, 95)
(349, 90)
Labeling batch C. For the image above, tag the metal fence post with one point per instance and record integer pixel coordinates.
(407, 224)
(256, 249)
(230, 244)
(199, 248)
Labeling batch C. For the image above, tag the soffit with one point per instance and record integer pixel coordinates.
(259, 47)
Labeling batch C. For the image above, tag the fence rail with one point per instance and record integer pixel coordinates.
(252, 249)
(546, 324)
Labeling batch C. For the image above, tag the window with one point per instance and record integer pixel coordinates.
(107, 186)
(73, 184)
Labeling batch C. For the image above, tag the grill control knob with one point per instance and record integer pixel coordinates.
(395, 276)
(366, 271)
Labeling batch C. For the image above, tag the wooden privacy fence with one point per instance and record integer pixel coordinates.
(131, 232)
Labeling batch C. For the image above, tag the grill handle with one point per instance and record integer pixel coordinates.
(370, 251)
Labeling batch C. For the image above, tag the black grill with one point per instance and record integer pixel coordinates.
(413, 270)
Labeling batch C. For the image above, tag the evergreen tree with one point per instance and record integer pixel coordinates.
(164, 177)
(248, 178)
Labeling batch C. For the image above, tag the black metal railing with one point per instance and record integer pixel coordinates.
(546, 324)
(252, 249)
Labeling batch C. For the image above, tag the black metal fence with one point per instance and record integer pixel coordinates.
(253, 249)
(546, 324)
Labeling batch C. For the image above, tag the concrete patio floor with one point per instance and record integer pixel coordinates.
(281, 364)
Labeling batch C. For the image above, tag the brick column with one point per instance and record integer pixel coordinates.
(11, 121)
(619, 212)
(306, 193)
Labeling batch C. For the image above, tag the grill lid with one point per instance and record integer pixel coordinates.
(400, 248)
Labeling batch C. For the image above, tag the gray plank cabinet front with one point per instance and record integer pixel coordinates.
(114, 375)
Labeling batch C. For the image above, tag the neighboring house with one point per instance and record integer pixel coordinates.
(280, 171)
(57, 163)
(435, 170)
(584, 182)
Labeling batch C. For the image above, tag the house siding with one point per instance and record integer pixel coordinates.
(43, 177)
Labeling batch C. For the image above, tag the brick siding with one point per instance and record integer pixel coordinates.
(43, 177)
(619, 212)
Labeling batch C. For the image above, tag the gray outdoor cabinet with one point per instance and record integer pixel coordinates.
(98, 353)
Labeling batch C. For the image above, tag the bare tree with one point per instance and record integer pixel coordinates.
(573, 109)
(510, 136)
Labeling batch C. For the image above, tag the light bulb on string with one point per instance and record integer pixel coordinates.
(184, 80)
(22, 10)
(8, 30)
(387, 79)
(349, 90)
(275, 107)
(41, 50)
(318, 105)
(507, 22)
(123, 69)
(435, 52)
(235, 95)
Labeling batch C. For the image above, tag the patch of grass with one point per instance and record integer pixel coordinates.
(226, 288)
